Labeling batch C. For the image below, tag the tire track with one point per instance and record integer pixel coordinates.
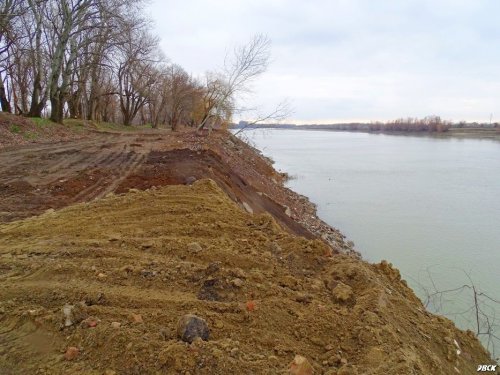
(138, 160)
(105, 163)
(35, 178)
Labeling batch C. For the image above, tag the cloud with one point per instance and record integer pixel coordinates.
(351, 59)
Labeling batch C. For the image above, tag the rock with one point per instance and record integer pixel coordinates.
(342, 292)
(73, 315)
(98, 299)
(247, 207)
(67, 314)
(211, 290)
(71, 353)
(189, 180)
(116, 325)
(194, 247)
(251, 305)
(90, 322)
(191, 327)
(101, 275)
(136, 318)
(300, 366)
(288, 211)
(238, 283)
(303, 298)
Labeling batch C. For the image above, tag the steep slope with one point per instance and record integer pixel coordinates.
(111, 278)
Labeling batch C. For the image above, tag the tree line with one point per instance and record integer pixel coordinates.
(98, 60)
(409, 124)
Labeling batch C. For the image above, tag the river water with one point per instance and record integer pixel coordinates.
(430, 206)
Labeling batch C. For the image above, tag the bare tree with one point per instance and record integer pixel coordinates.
(9, 10)
(136, 71)
(180, 88)
(240, 70)
(97, 60)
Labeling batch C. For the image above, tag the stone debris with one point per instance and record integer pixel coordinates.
(73, 314)
(136, 318)
(194, 247)
(191, 327)
(71, 353)
(238, 283)
(247, 207)
(301, 366)
(342, 292)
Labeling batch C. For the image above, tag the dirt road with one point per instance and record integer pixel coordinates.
(35, 178)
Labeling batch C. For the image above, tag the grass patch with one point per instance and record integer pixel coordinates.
(30, 135)
(41, 122)
(15, 129)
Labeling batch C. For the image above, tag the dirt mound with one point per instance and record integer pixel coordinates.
(99, 288)
(175, 167)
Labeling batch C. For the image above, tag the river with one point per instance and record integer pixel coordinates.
(430, 206)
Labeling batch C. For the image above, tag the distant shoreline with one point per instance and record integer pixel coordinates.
(455, 132)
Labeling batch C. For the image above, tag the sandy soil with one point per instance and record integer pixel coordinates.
(98, 285)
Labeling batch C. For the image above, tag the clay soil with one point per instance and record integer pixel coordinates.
(105, 244)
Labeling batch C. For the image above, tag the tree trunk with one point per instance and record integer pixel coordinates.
(3, 98)
(37, 105)
(56, 111)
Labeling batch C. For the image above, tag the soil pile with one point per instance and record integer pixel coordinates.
(100, 287)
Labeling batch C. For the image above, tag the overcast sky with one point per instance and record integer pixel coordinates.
(339, 60)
